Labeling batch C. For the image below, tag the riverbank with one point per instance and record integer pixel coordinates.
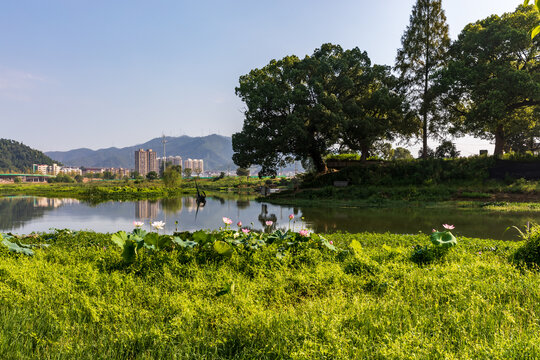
(382, 299)
(520, 195)
(100, 190)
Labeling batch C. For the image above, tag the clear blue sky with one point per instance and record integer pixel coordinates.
(95, 73)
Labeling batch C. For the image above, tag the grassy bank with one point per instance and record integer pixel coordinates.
(78, 299)
(495, 195)
(132, 190)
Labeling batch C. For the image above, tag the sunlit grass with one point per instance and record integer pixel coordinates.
(76, 300)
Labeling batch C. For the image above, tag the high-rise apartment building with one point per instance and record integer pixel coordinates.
(146, 161)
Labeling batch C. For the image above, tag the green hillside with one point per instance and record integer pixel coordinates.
(17, 157)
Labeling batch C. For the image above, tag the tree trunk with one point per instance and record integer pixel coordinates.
(424, 137)
(365, 152)
(500, 142)
(318, 161)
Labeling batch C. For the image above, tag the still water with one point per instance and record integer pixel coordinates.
(23, 215)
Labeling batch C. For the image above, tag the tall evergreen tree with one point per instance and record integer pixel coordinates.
(424, 47)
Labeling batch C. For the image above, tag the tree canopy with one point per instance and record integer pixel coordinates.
(491, 85)
(301, 109)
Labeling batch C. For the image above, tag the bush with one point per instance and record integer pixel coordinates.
(529, 254)
(408, 172)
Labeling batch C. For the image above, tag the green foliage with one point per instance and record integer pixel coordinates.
(491, 84)
(79, 300)
(223, 243)
(343, 157)
(297, 109)
(61, 178)
(172, 176)
(401, 153)
(443, 239)
(529, 254)
(152, 175)
(13, 244)
(395, 173)
(242, 171)
(446, 150)
(536, 5)
(423, 53)
(16, 157)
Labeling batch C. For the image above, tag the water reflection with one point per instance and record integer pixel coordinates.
(27, 214)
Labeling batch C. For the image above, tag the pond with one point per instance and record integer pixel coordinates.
(24, 214)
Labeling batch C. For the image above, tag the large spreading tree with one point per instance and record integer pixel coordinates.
(300, 109)
(423, 53)
(491, 86)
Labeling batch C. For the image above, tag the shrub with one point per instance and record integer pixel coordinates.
(529, 254)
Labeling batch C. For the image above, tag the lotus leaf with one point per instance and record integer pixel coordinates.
(119, 238)
(443, 238)
(184, 243)
(222, 248)
(14, 247)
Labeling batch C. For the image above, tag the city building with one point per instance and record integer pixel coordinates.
(87, 171)
(43, 169)
(188, 164)
(170, 160)
(146, 161)
(39, 169)
(71, 171)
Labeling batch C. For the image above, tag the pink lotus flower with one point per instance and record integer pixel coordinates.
(331, 242)
(434, 230)
(245, 231)
(239, 224)
(269, 223)
(304, 233)
(227, 221)
(291, 216)
(448, 227)
(138, 224)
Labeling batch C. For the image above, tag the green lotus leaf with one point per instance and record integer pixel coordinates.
(119, 238)
(151, 239)
(443, 238)
(222, 248)
(14, 247)
(184, 243)
(129, 254)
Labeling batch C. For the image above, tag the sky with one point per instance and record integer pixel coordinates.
(97, 73)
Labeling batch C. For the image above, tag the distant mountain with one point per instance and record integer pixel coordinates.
(215, 150)
(17, 157)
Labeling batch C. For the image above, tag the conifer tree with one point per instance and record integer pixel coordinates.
(424, 47)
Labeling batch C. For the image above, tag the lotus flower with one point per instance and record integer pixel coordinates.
(138, 224)
(227, 221)
(304, 233)
(291, 216)
(269, 223)
(433, 230)
(245, 231)
(449, 227)
(158, 225)
(239, 224)
(331, 242)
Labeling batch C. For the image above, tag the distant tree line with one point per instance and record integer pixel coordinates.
(485, 84)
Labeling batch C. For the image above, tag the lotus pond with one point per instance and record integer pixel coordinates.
(28, 214)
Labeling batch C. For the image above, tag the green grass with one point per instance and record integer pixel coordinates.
(77, 300)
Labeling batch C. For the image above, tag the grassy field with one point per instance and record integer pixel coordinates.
(385, 299)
